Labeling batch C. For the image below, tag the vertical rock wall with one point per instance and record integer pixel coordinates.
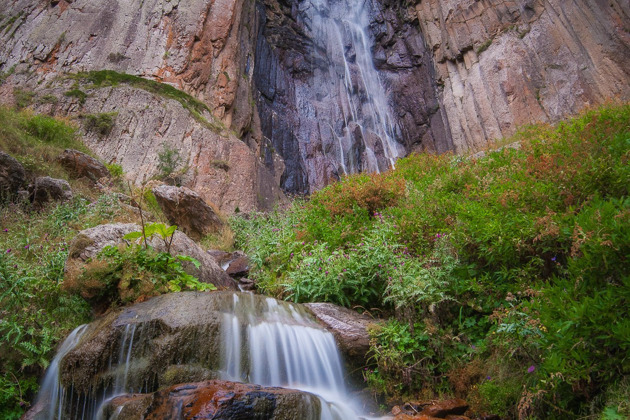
(500, 64)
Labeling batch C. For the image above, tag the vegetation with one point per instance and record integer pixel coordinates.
(169, 160)
(101, 124)
(104, 78)
(36, 310)
(505, 278)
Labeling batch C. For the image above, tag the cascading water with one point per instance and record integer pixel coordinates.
(262, 341)
(277, 344)
(366, 139)
(52, 391)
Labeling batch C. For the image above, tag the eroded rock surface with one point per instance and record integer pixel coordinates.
(220, 400)
(186, 209)
(500, 64)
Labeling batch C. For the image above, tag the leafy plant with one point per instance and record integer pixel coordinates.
(102, 124)
(169, 160)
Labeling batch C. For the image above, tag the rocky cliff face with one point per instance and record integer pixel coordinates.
(200, 48)
(500, 64)
(300, 92)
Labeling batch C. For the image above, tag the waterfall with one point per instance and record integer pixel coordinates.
(52, 393)
(362, 122)
(278, 344)
(258, 340)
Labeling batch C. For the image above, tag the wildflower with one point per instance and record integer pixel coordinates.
(6, 230)
(553, 259)
(488, 377)
(27, 246)
(8, 250)
(531, 369)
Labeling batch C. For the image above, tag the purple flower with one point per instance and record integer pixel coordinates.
(6, 230)
(8, 250)
(531, 369)
(27, 246)
(553, 259)
(488, 377)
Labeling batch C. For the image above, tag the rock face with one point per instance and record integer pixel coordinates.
(500, 64)
(88, 243)
(186, 209)
(201, 47)
(349, 328)
(299, 93)
(79, 165)
(12, 176)
(46, 189)
(220, 400)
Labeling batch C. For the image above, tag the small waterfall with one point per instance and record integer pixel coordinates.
(278, 344)
(52, 393)
(367, 138)
(263, 341)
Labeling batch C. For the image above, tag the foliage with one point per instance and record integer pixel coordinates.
(115, 169)
(37, 140)
(23, 98)
(77, 93)
(520, 255)
(169, 160)
(101, 124)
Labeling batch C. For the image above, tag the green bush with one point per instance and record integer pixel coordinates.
(102, 124)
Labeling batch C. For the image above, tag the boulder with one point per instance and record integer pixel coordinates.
(220, 400)
(46, 189)
(239, 267)
(80, 165)
(89, 242)
(349, 328)
(12, 176)
(186, 209)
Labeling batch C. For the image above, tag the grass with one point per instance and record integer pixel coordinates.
(37, 140)
(520, 256)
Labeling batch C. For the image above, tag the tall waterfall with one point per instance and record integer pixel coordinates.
(362, 123)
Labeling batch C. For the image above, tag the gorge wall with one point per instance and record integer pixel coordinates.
(300, 92)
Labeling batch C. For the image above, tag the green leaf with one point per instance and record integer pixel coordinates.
(196, 263)
(132, 236)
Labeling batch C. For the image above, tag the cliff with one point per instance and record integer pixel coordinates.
(297, 94)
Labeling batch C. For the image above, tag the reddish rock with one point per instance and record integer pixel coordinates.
(404, 416)
(186, 209)
(238, 267)
(456, 417)
(80, 165)
(442, 409)
(215, 400)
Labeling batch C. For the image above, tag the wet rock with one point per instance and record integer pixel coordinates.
(219, 400)
(349, 328)
(46, 189)
(404, 416)
(238, 267)
(444, 408)
(246, 285)
(221, 257)
(88, 243)
(12, 177)
(80, 165)
(186, 209)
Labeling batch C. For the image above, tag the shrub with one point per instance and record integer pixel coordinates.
(77, 93)
(101, 124)
(169, 160)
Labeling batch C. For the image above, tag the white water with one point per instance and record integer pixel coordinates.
(52, 392)
(264, 341)
(339, 27)
(277, 344)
